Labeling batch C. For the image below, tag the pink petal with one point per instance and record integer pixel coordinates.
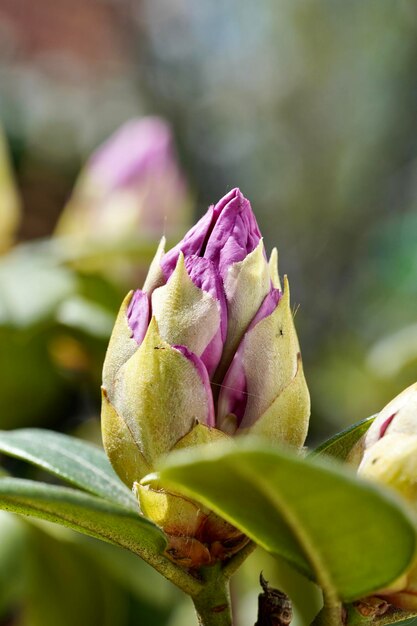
(138, 315)
(233, 395)
(202, 371)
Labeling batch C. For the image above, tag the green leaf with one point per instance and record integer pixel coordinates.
(85, 513)
(80, 463)
(350, 536)
(341, 444)
(31, 287)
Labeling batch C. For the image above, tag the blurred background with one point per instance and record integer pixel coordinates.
(309, 106)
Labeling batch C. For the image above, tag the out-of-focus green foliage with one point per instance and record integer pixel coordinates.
(88, 583)
(13, 551)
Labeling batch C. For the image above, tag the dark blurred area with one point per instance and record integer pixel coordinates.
(308, 106)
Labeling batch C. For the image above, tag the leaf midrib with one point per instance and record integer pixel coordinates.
(303, 538)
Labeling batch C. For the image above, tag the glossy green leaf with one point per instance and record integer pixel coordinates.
(85, 513)
(78, 462)
(348, 535)
(341, 444)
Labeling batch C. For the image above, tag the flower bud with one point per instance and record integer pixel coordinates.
(10, 212)
(399, 416)
(389, 455)
(131, 184)
(207, 349)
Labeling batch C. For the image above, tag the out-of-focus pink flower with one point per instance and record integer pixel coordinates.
(131, 185)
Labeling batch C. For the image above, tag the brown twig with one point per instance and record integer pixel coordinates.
(274, 606)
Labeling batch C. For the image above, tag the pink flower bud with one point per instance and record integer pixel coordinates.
(206, 350)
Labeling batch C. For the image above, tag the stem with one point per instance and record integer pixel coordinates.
(216, 592)
(210, 591)
(237, 559)
(195, 586)
(332, 609)
(331, 613)
(172, 572)
(212, 604)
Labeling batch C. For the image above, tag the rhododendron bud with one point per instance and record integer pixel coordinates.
(399, 416)
(130, 185)
(387, 447)
(206, 350)
(389, 456)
